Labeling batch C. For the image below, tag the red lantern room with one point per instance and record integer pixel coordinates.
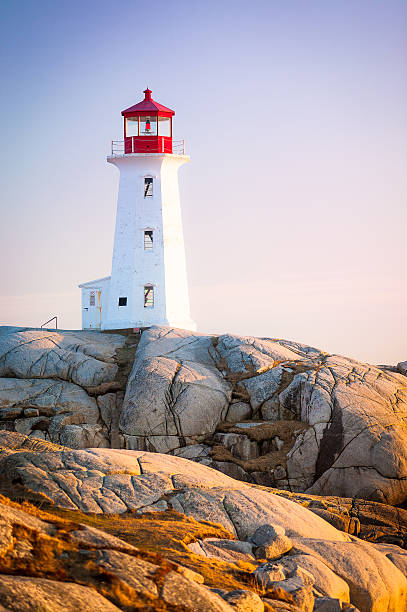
(148, 127)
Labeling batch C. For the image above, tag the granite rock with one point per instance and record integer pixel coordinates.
(107, 480)
(174, 392)
(85, 358)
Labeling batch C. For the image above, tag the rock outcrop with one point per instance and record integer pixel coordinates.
(265, 411)
(175, 394)
(402, 367)
(63, 386)
(53, 566)
(319, 422)
(289, 549)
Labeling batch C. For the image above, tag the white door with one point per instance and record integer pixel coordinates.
(92, 310)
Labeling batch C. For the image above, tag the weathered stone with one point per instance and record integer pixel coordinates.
(31, 412)
(58, 404)
(231, 469)
(159, 506)
(110, 405)
(239, 445)
(280, 473)
(195, 452)
(94, 559)
(369, 520)
(95, 538)
(245, 354)
(190, 574)
(326, 581)
(267, 534)
(269, 573)
(178, 589)
(302, 460)
(244, 601)
(402, 367)
(271, 542)
(266, 478)
(262, 387)
(275, 549)
(327, 604)
(84, 358)
(369, 582)
(106, 480)
(181, 388)
(137, 573)
(238, 411)
(108, 409)
(8, 413)
(340, 522)
(11, 440)
(344, 451)
(272, 410)
(28, 594)
(299, 585)
(83, 436)
(241, 546)
(395, 555)
(172, 394)
(275, 605)
(26, 426)
(225, 550)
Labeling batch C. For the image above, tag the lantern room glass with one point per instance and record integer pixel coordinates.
(164, 126)
(148, 126)
(132, 126)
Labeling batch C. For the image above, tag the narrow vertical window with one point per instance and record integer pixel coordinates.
(148, 296)
(92, 298)
(148, 240)
(148, 187)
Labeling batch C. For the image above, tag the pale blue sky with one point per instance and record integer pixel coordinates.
(294, 203)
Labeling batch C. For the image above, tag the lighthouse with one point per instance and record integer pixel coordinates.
(148, 283)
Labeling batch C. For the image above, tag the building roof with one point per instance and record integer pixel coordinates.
(91, 284)
(148, 105)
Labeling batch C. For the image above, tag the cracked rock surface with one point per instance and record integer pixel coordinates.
(313, 421)
(65, 387)
(54, 566)
(265, 411)
(175, 394)
(85, 358)
(321, 561)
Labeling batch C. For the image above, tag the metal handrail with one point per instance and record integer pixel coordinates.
(46, 322)
(178, 147)
(117, 146)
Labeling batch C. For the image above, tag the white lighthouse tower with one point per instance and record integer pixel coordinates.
(148, 285)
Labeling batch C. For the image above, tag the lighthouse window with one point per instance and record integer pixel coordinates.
(148, 187)
(132, 126)
(148, 296)
(122, 301)
(164, 126)
(148, 240)
(148, 126)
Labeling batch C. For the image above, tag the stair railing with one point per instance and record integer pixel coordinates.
(46, 322)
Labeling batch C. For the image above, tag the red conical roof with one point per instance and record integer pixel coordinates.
(148, 105)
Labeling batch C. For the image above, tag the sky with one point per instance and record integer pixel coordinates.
(294, 114)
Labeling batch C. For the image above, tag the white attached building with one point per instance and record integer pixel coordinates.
(148, 284)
